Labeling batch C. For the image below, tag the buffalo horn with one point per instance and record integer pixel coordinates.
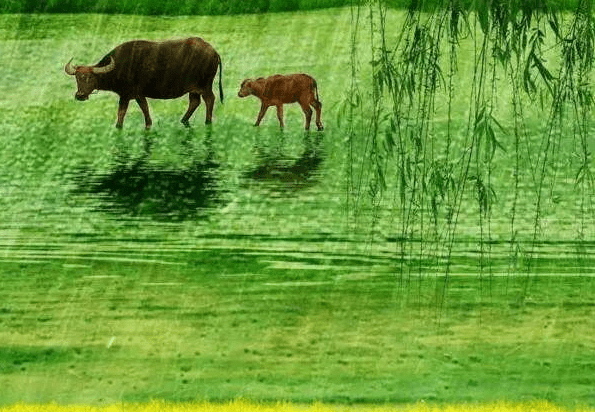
(105, 69)
(69, 68)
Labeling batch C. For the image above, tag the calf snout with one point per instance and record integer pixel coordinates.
(81, 97)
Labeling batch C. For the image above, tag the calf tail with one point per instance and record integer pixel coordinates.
(220, 80)
(315, 87)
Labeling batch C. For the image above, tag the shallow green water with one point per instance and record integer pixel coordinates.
(76, 191)
(282, 193)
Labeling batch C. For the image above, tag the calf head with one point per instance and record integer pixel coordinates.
(87, 77)
(246, 88)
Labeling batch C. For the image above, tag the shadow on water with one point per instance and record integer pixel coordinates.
(141, 187)
(288, 174)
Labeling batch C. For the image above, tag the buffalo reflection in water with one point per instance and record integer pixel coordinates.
(139, 187)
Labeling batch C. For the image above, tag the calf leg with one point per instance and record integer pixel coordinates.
(144, 106)
(122, 108)
(318, 107)
(194, 102)
(263, 110)
(209, 98)
(307, 113)
(280, 114)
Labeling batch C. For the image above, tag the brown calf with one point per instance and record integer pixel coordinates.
(278, 90)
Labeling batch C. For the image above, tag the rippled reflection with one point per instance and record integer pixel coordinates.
(139, 186)
(286, 173)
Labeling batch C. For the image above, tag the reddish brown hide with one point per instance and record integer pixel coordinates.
(278, 90)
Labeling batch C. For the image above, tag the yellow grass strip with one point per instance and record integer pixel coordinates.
(246, 406)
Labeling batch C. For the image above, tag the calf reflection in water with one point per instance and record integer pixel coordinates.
(286, 173)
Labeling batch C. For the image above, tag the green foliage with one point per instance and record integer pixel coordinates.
(168, 7)
(213, 7)
(283, 5)
(430, 164)
(479, 5)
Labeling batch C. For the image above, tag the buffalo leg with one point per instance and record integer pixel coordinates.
(209, 102)
(263, 110)
(192, 105)
(280, 114)
(307, 113)
(318, 107)
(122, 108)
(144, 106)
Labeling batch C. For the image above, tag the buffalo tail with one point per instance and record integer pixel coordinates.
(220, 80)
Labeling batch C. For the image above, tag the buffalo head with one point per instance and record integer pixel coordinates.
(86, 77)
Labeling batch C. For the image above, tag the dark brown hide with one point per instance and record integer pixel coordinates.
(164, 70)
(278, 90)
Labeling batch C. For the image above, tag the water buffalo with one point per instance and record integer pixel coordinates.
(278, 89)
(159, 70)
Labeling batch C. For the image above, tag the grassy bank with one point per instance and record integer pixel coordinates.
(243, 406)
(235, 323)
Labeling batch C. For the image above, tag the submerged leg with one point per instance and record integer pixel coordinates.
(144, 106)
(122, 108)
(210, 103)
(263, 110)
(318, 107)
(194, 102)
(307, 113)
(280, 115)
